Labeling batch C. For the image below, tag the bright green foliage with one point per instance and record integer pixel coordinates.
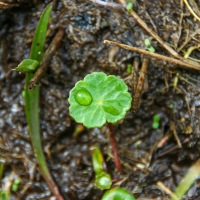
(16, 185)
(102, 179)
(147, 43)
(99, 99)
(117, 194)
(130, 5)
(129, 68)
(156, 120)
(4, 195)
(27, 65)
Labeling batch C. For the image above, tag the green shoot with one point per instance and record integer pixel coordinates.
(99, 99)
(117, 194)
(171, 106)
(156, 120)
(16, 185)
(2, 169)
(187, 180)
(129, 6)
(31, 98)
(102, 178)
(147, 43)
(4, 195)
(129, 68)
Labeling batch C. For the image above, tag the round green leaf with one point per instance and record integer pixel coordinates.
(99, 99)
(117, 194)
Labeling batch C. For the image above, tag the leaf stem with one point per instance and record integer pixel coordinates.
(114, 148)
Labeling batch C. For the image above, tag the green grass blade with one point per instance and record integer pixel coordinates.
(187, 180)
(32, 97)
(37, 48)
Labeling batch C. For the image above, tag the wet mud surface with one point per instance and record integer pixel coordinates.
(144, 157)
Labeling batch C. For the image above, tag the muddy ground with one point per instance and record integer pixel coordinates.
(145, 159)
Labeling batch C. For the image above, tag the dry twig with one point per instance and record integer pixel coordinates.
(140, 83)
(158, 39)
(155, 55)
(167, 190)
(191, 11)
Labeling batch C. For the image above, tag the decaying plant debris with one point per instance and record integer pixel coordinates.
(148, 155)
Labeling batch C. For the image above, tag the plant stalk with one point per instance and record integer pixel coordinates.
(31, 99)
(114, 148)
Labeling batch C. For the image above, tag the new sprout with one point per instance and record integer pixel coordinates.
(100, 99)
(102, 178)
(117, 194)
(156, 121)
(147, 43)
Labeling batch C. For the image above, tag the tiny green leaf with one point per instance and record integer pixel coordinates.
(147, 42)
(151, 49)
(129, 68)
(102, 178)
(27, 65)
(16, 185)
(117, 194)
(129, 6)
(99, 99)
(156, 120)
(103, 181)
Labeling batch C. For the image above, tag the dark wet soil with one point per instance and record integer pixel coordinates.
(82, 51)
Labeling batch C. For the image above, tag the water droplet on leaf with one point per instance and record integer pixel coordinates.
(83, 97)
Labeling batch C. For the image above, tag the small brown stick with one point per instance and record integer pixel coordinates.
(167, 190)
(173, 129)
(191, 11)
(157, 38)
(46, 59)
(140, 84)
(135, 70)
(187, 65)
(114, 148)
(180, 25)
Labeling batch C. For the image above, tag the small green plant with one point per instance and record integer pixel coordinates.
(156, 121)
(129, 6)
(27, 65)
(147, 43)
(31, 98)
(99, 99)
(117, 194)
(15, 185)
(102, 178)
